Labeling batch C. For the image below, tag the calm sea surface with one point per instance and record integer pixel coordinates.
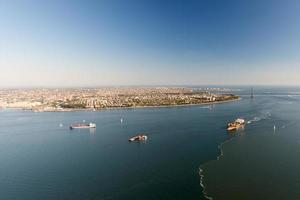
(39, 159)
(262, 162)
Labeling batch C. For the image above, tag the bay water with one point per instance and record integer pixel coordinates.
(41, 158)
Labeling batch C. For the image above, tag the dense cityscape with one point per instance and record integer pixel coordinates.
(101, 98)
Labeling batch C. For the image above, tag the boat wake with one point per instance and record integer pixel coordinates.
(263, 116)
(201, 174)
(285, 124)
(206, 107)
(203, 186)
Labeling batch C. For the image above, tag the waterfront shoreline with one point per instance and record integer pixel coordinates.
(136, 107)
(66, 100)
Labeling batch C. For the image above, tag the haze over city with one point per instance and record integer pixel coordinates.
(97, 43)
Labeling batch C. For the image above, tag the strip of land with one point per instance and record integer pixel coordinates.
(105, 98)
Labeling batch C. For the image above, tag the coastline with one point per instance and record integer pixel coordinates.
(136, 107)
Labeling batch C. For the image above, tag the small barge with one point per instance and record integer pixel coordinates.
(138, 138)
(83, 126)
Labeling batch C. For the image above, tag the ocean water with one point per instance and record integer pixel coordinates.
(262, 161)
(39, 159)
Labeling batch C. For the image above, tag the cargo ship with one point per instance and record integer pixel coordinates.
(82, 126)
(238, 123)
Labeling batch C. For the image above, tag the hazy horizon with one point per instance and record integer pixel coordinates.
(247, 87)
(133, 43)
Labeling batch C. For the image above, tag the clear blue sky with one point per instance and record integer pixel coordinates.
(138, 42)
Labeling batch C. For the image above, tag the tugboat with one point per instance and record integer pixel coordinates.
(82, 126)
(138, 138)
(238, 123)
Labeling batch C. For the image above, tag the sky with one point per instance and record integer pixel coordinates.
(64, 43)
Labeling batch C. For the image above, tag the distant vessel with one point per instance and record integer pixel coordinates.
(81, 126)
(138, 138)
(238, 123)
(121, 120)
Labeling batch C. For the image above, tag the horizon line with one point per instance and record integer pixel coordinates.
(147, 86)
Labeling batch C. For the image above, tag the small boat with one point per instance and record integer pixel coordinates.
(238, 123)
(138, 138)
(82, 126)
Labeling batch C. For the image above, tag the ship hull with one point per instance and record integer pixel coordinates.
(82, 126)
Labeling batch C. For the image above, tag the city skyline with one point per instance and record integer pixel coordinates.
(117, 43)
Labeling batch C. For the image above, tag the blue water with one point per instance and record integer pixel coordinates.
(261, 162)
(41, 160)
